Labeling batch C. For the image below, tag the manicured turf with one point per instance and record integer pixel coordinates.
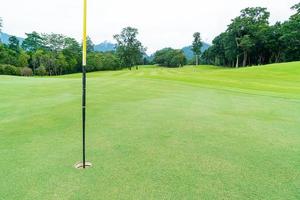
(155, 133)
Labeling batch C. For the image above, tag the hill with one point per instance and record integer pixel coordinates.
(105, 46)
(155, 133)
(4, 38)
(190, 54)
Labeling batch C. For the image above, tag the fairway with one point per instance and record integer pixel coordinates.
(154, 133)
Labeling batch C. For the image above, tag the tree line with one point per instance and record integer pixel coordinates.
(248, 40)
(56, 54)
(251, 40)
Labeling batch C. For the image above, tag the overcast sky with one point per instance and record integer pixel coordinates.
(161, 23)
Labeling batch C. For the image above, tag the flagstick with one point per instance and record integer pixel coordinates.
(84, 80)
(84, 164)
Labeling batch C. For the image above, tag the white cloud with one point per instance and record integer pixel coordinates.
(161, 22)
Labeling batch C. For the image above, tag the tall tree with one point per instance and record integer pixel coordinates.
(197, 45)
(14, 44)
(23, 59)
(60, 64)
(90, 47)
(275, 44)
(245, 43)
(296, 7)
(53, 42)
(250, 35)
(72, 53)
(37, 60)
(33, 42)
(72, 45)
(129, 49)
(245, 28)
(291, 35)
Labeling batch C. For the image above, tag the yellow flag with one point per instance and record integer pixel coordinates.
(84, 33)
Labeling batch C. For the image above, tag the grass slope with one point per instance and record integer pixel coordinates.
(155, 133)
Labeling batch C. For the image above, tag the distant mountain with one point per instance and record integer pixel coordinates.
(105, 46)
(190, 54)
(4, 38)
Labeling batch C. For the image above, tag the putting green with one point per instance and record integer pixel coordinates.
(155, 133)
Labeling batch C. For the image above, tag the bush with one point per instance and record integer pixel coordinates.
(41, 71)
(9, 70)
(26, 71)
(169, 57)
(102, 61)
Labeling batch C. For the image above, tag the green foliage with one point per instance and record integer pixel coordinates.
(90, 47)
(296, 7)
(48, 59)
(291, 36)
(53, 42)
(23, 59)
(33, 42)
(26, 71)
(9, 70)
(129, 49)
(97, 61)
(197, 45)
(169, 57)
(14, 44)
(8, 56)
(12, 54)
(250, 40)
(54, 62)
(36, 59)
(61, 64)
(55, 54)
(41, 71)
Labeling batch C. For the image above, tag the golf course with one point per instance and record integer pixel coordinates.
(202, 132)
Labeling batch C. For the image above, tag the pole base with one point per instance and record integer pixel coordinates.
(80, 165)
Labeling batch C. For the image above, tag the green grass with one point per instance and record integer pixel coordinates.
(155, 133)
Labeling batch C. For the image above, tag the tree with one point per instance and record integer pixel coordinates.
(14, 44)
(197, 44)
(53, 54)
(169, 57)
(48, 60)
(53, 42)
(129, 49)
(296, 7)
(246, 36)
(90, 47)
(246, 43)
(275, 44)
(71, 45)
(102, 61)
(36, 60)
(246, 29)
(72, 53)
(291, 35)
(231, 51)
(8, 56)
(33, 42)
(23, 59)
(61, 64)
